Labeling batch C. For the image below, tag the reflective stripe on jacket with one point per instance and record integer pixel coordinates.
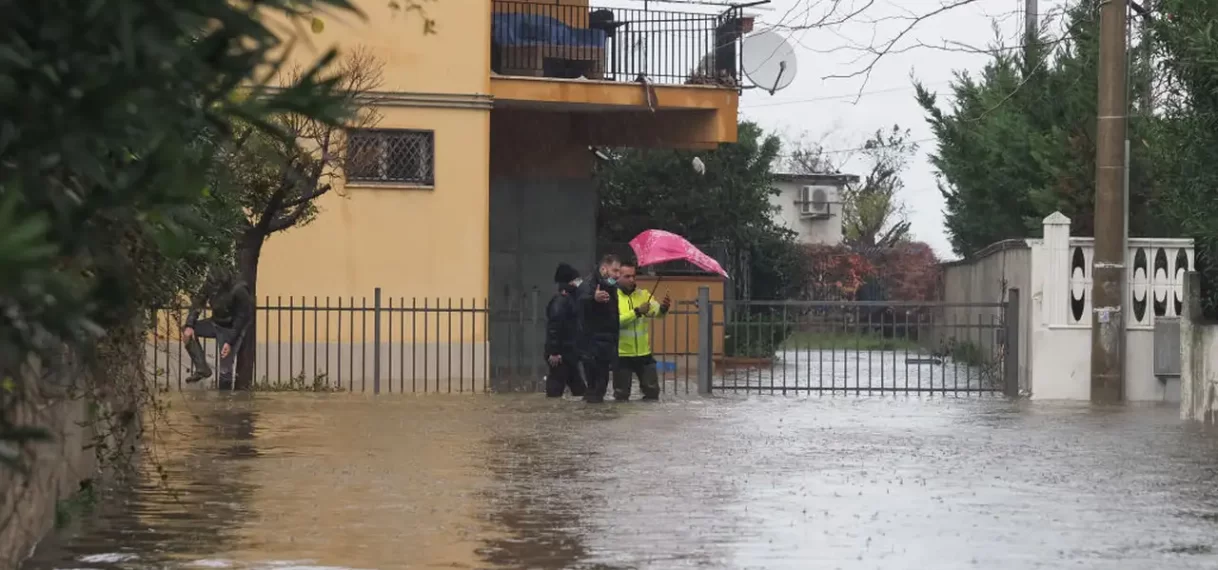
(634, 337)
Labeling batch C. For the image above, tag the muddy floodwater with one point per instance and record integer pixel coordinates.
(340, 482)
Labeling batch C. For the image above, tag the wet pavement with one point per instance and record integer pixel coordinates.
(861, 371)
(334, 481)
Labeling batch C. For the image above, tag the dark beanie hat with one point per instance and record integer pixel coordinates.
(565, 273)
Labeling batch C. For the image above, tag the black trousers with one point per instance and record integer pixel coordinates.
(595, 365)
(565, 375)
(630, 366)
(206, 328)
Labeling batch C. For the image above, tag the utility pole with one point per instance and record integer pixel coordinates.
(1108, 264)
(1148, 96)
(1031, 21)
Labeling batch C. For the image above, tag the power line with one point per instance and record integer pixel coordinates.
(860, 94)
(1028, 12)
(854, 95)
(855, 149)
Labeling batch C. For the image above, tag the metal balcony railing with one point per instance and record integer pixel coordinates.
(535, 39)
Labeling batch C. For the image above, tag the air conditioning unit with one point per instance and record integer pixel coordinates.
(813, 202)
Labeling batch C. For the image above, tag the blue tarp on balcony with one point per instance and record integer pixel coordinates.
(513, 29)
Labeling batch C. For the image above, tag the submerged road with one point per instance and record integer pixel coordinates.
(281, 481)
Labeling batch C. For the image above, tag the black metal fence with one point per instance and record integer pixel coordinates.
(868, 348)
(615, 44)
(378, 344)
(386, 345)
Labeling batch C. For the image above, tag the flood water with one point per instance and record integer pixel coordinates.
(860, 371)
(281, 481)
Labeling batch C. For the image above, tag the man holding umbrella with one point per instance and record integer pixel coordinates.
(651, 247)
(636, 308)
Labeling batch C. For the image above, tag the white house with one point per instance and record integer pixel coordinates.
(811, 205)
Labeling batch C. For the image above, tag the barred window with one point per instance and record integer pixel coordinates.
(391, 155)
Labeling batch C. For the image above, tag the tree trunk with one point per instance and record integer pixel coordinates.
(249, 250)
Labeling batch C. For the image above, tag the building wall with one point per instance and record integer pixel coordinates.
(1055, 316)
(1198, 358)
(433, 242)
(1062, 367)
(410, 241)
(542, 201)
(823, 231)
(87, 438)
(1062, 312)
(57, 467)
(986, 277)
(453, 60)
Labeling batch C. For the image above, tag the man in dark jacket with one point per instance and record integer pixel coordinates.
(562, 327)
(232, 310)
(598, 320)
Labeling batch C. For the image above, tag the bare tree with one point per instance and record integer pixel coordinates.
(890, 29)
(872, 212)
(276, 181)
(806, 156)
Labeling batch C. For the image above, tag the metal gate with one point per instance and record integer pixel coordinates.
(856, 347)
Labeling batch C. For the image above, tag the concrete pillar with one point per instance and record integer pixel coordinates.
(1056, 287)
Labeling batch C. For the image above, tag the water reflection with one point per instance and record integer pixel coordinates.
(367, 483)
(188, 494)
(518, 481)
(541, 485)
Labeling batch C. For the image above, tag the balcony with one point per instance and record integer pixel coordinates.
(619, 76)
(568, 43)
(561, 41)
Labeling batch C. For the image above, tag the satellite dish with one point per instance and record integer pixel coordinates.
(768, 61)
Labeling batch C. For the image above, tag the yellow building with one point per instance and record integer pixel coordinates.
(482, 177)
(490, 184)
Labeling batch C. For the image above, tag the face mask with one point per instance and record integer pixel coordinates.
(577, 282)
(611, 281)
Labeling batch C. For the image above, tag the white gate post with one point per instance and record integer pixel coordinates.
(1056, 291)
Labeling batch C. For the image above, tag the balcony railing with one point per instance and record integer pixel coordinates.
(536, 39)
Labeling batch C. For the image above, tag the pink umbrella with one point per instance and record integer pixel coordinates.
(658, 246)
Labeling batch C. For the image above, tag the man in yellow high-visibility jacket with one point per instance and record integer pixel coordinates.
(636, 308)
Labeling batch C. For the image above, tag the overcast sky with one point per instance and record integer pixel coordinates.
(819, 106)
